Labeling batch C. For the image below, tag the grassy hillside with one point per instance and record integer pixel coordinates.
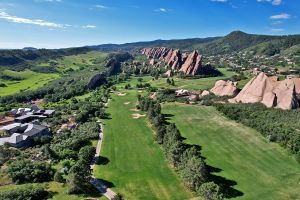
(256, 168)
(22, 81)
(131, 162)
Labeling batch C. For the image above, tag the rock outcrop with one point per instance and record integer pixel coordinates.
(96, 81)
(192, 64)
(175, 60)
(224, 88)
(279, 94)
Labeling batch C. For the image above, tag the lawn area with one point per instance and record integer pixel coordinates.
(131, 162)
(29, 80)
(261, 170)
(192, 84)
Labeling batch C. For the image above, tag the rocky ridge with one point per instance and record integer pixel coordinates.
(175, 60)
(272, 93)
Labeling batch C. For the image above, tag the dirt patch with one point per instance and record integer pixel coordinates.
(121, 94)
(126, 103)
(137, 115)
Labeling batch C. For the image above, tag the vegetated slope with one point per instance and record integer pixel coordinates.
(15, 82)
(262, 170)
(21, 56)
(233, 42)
(183, 44)
(131, 162)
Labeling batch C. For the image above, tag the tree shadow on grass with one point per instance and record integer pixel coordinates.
(106, 183)
(102, 160)
(168, 117)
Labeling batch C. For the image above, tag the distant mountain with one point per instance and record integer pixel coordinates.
(234, 42)
(29, 48)
(183, 44)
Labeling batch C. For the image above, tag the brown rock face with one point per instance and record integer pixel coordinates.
(175, 60)
(192, 64)
(297, 84)
(279, 94)
(223, 88)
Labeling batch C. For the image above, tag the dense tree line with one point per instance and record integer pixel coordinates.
(26, 192)
(26, 171)
(184, 158)
(275, 124)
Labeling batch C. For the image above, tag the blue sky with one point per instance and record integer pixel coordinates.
(68, 23)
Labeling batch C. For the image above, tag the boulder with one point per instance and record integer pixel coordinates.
(169, 73)
(224, 88)
(297, 84)
(152, 62)
(205, 93)
(286, 95)
(255, 89)
(279, 94)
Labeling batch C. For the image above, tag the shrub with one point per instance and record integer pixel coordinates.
(210, 191)
(26, 171)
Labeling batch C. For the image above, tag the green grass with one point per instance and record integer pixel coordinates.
(30, 81)
(136, 165)
(192, 84)
(261, 169)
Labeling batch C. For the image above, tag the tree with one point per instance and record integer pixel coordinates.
(58, 177)
(26, 192)
(26, 171)
(210, 191)
(194, 173)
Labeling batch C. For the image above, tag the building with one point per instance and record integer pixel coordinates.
(21, 135)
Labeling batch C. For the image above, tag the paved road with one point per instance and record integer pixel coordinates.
(107, 192)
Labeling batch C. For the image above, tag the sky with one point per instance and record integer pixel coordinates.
(73, 23)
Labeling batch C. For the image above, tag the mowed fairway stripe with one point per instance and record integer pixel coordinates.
(261, 169)
(137, 167)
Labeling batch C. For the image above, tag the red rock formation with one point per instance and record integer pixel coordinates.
(279, 94)
(224, 88)
(192, 64)
(174, 60)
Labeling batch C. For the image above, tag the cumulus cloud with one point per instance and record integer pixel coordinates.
(164, 10)
(274, 2)
(281, 16)
(89, 26)
(20, 20)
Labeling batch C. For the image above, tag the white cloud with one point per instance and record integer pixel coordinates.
(274, 2)
(101, 6)
(51, 1)
(20, 20)
(277, 22)
(222, 1)
(164, 10)
(281, 16)
(277, 29)
(89, 26)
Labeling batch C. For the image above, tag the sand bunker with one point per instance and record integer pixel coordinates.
(121, 94)
(137, 115)
(126, 103)
(135, 109)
